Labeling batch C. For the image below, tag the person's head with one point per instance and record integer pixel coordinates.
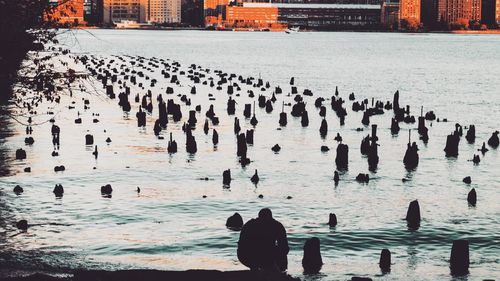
(265, 214)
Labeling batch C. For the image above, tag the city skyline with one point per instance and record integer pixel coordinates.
(275, 15)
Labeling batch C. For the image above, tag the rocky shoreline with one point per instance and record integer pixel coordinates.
(153, 275)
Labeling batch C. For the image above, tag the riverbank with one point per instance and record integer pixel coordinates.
(492, 31)
(153, 275)
(239, 29)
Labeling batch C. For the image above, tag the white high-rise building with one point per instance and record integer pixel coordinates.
(164, 11)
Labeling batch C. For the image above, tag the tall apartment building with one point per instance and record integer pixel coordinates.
(429, 13)
(94, 11)
(497, 11)
(214, 11)
(409, 10)
(192, 12)
(451, 11)
(123, 10)
(490, 12)
(476, 10)
(163, 11)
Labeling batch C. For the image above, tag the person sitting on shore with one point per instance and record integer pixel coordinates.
(263, 244)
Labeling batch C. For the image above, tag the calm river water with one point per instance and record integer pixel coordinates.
(169, 225)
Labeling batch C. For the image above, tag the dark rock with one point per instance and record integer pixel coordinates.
(22, 225)
(106, 189)
(476, 159)
(472, 197)
(29, 141)
(471, 134)
(385, 260)
(255, 178)
(89, 139)
(413, 215)
(304, 119)
(20, 154)
(312, 261)
(332, 220)
(276, 148)
(459, 259)
(58, 190)
(342, 158)
(59, 168)
(493, 141)
(226, 177)
(451, 148)
(467, 180)
(172, 145)
(18, 189)
(483, 149)
(215, 137)
(234, 222)
(323, 129)
(249, 136)
(411, 158)
(362, 178)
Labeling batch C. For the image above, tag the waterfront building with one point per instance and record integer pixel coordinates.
(163, 11)
(252, 17)
(429, 13)
(476, 10)
(497, 12)
(308, 16)
(330, 16)
(215, 12)
(454, 11)
(123, 10)
(93, 11)
(390, 14)
(192, 13)
(409, 11)
(490, 12)
(67, 12)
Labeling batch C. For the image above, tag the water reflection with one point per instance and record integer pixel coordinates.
(177, 222)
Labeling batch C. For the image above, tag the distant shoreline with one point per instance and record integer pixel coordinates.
(479, 32)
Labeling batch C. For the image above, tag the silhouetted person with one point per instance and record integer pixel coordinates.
(263, 244)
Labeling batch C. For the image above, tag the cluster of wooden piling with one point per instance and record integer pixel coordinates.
(125, 73)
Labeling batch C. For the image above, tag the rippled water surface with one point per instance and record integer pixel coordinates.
(171, 226)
